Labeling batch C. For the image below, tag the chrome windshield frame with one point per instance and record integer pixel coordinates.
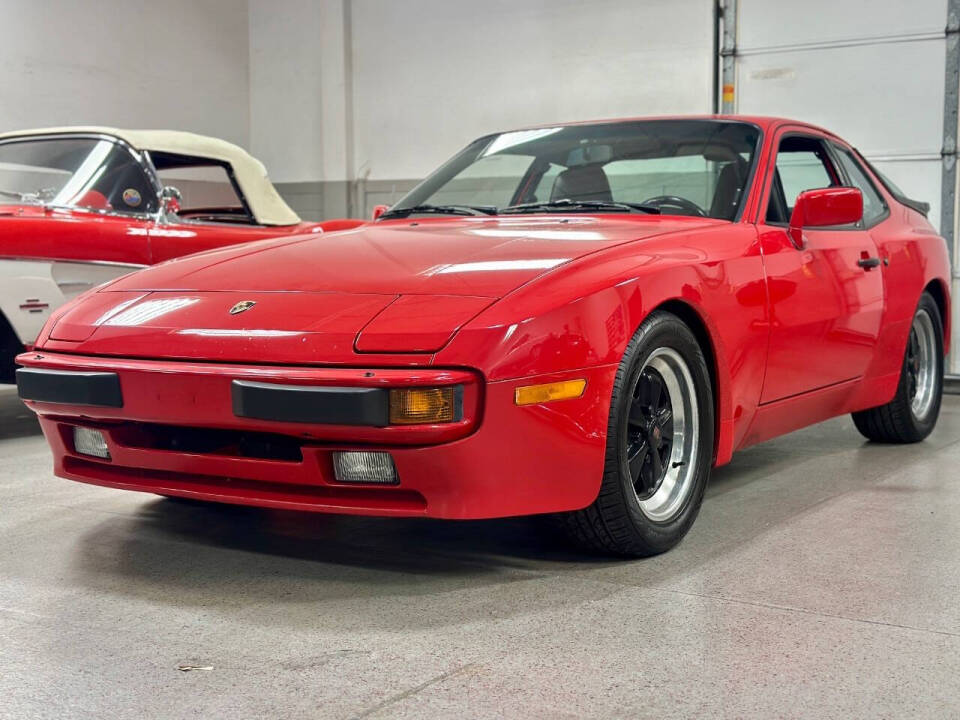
(138, 156)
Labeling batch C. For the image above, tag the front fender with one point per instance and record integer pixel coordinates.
(584, 313)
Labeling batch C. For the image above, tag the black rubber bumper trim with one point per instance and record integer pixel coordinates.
(951, 384)
(311, 404)
(69, 387)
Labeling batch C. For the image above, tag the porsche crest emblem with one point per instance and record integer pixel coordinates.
(242, 306)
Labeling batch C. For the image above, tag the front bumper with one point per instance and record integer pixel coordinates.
(177, 432)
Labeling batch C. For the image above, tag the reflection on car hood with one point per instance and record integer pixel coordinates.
(485, 257)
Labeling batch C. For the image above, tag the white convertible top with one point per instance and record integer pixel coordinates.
(264, 201)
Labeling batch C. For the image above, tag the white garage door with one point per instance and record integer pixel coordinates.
(871, 72)
(473, 68)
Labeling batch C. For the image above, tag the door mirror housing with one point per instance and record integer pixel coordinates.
(170, 199)
(824, 207)
(379, 210)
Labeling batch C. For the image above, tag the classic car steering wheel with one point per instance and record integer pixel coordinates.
(677, 202)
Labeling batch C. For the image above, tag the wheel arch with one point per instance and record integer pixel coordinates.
(694, 319)
(941, 296)
(10, 347)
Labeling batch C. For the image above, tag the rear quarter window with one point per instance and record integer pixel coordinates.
(874, 207)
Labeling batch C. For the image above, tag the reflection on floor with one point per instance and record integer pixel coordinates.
(821, 579)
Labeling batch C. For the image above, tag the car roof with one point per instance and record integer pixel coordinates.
(262, 198)
(764, 122)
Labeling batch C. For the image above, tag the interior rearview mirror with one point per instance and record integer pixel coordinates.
(824, 207)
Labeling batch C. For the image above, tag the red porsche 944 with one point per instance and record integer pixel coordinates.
(577, 319)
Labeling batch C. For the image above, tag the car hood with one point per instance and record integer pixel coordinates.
(391, 288)
(486, 257)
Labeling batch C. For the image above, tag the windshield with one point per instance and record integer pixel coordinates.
(88, 173)
(674, 167)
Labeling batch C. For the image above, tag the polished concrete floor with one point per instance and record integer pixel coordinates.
(822, 579)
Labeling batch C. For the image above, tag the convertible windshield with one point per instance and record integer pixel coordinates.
(670, 167)
(88, 173)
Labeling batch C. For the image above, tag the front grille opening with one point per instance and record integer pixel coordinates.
(209, 441)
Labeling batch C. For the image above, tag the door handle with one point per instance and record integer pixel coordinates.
(868, 262)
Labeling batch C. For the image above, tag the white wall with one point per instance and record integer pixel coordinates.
(286, 61)
(470, 68)
(178, 64)
(428, 76)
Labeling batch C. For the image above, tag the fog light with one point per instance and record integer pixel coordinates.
(365, 467)
(416, 406)
(88, 441)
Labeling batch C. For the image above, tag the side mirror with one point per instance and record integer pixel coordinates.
(170, 199)
(824, 207)
(379, 210)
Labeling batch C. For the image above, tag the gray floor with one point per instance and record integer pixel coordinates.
(821, 580)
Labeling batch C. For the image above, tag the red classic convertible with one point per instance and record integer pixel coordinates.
(81, 206)
(576, 319)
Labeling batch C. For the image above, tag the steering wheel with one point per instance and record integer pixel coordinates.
(678, 202)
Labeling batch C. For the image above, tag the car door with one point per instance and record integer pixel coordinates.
(826, 298)
(106, 247)
(90, 227)
(112, 211)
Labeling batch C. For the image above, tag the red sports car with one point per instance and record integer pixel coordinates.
(80, 206)
(576, 319)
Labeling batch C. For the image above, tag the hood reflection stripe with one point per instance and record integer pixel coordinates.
(226, 332)
(496, 265)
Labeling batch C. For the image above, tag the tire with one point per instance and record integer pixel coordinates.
(180, 500)
(913, 412)
(651, 516)
(10, 347)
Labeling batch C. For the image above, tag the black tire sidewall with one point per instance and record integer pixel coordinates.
(924, 426)
(661, 329)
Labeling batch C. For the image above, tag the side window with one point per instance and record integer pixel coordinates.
(802, 164)
(202, 187)
(874, 208)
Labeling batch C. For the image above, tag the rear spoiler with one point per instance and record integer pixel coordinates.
(919, 205)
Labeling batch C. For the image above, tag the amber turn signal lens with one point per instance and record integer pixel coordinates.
(548, 392)
(415, 406)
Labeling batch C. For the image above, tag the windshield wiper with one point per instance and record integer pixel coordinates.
(441, 210)
(568, 204)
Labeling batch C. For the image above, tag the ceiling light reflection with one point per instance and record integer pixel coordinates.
(226, 332)
(540, 234)
(147, 311)
(511, 139)
(494, 265)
